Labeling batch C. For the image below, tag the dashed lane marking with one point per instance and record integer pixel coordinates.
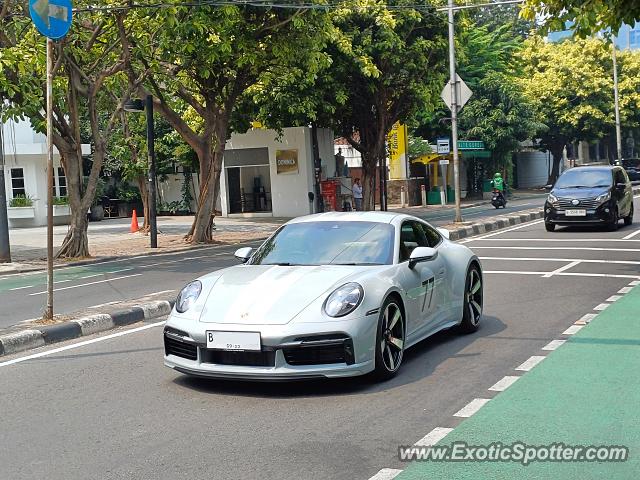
(87, 284)
(433, 437)
(573, 329)
(601, 307)
(471, 408)
(590, 249)
(500, 232)
(386, 474)
(562, 269)
(530, 363)
(561, 274)
(504, 383)
(553, 259)
(585, 319)
(553, 344)
(613, 298)
(625, 290)
(631, 235)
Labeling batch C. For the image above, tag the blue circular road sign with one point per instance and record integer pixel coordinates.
(52, 18)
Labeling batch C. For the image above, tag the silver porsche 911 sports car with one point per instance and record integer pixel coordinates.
(327, 295)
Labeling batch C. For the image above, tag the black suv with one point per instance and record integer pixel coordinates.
(590, 195)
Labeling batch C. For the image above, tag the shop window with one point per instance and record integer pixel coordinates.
(59, 183)
(17, 182)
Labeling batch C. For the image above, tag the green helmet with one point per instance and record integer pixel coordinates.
(497, 175)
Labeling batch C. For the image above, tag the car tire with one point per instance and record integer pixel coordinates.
(613, 225)
(628, 220)
(473, 301)
(549, 227)
(391, 331)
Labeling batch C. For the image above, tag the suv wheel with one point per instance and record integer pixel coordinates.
(550, 227)
(628, 220)
(613, 225)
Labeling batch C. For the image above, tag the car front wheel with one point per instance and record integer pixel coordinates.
(389, 339)
(628, 220)
(550, 227)
(472, 311)
(613, 225)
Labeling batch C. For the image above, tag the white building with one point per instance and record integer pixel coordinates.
(25, 172)
(269, 175)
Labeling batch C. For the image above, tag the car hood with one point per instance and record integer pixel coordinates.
(269, 294)
(579, 192)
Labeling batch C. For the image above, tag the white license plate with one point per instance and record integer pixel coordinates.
(576, 213)
(233, 340)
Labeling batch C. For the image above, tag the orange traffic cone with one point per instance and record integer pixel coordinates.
(134, 223)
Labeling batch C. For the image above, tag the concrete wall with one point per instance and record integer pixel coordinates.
(289, 191)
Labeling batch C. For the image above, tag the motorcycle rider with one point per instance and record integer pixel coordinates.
(498, 185)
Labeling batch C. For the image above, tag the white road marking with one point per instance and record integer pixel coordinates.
(631, 235)
(562, 269)
(572, 240)
(472, 407)
(553, 344)
(504, 383)
(530, 363)
(433, 437)
(562, 274)
(80, 344)
(105, 304)
(159, 293)
(386, 474)
(601, 307)
(87, 284)
(585, 319)
(507, 230)
(553, 259)
(625, 290)
(634, 283)
(613, 298)
(118, 271)
(91, 276)
(20, 288)
(591, 249)
(573, 329)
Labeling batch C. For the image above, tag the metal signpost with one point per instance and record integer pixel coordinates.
(444, 148)
(53, 20)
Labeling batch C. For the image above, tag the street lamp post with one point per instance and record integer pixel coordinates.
(136, 105)
(616, 98)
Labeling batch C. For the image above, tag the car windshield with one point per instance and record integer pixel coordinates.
(328, 243)
(585, 178)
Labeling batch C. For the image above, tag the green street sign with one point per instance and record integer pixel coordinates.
(470, 145)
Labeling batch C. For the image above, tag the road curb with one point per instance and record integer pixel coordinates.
(81, 327)
(496, 223)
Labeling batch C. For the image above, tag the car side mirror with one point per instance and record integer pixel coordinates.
(445, 233)
(422, 254)
(243, 254)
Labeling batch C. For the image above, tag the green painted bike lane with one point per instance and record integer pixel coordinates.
(587, 392)
(60, 276)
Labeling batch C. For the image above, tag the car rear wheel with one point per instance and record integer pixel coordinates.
(472, 312)
(389, 340)
(613, 226)
(549, 227)
(628, 220)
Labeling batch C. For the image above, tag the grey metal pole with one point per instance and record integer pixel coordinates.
(153, 234)
(5, 247)
(48, 314)
(454, 113)
(616, 99)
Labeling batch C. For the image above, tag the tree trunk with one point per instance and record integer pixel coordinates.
(556, 153)
(76, 242)
(144, 194)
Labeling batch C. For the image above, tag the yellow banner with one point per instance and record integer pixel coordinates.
(397, 141)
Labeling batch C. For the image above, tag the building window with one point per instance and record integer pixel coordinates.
(17, 183)
(634, 39)
(59, 183)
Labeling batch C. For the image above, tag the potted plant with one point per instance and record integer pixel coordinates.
(61, 207)
(21, 206)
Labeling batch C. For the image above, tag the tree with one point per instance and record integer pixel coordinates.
(570, 84)
(388, 64)
(587, 17)
(200, 62)
(86, 63)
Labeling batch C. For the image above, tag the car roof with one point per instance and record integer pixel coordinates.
(592, 167)
(372, 216)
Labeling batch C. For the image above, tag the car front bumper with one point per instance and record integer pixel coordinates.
(288, 352)
(597, 216)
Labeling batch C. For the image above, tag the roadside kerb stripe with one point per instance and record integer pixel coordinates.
(471, 408)
(48, 334)
(386, 474)
(433, 437)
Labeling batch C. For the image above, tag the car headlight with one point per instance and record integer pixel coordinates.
(343, 300)
(604, 197)
(188, 296)
(552, 198)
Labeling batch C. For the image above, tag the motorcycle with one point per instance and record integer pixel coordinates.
(498, 199)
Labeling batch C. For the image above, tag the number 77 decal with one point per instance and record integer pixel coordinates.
(430, 286)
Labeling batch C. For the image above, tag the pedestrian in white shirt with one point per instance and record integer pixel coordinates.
(357, 193)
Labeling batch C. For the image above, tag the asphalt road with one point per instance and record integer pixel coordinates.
(111, 410)
(23, 297)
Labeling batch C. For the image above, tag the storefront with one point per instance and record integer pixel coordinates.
(271, 175)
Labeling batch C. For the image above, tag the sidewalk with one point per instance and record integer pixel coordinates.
(111, 238)
(585, 393)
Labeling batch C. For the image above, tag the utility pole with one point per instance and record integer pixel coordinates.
(48, 314)
(5, 248)
(153, 224)
(454, 113)
(616, 98)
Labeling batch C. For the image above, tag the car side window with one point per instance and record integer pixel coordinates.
(432, 235)
(620, 177)
(411, 236)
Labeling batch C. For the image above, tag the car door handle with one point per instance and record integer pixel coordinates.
(442, 272)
